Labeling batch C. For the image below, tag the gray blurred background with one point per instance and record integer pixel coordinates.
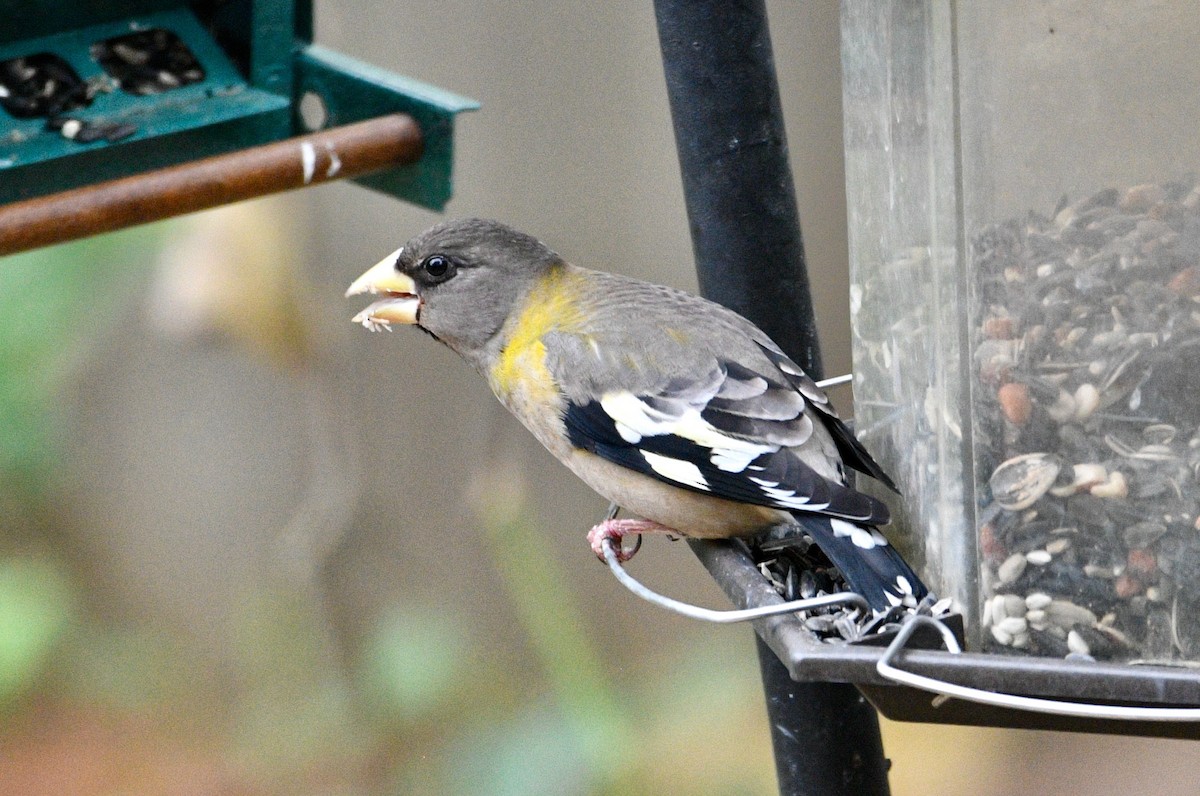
(332, 563)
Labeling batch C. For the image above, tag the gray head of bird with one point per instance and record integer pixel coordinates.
(458, 281)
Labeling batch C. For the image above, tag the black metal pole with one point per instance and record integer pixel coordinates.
(745, 226)
(737, 182)
(825, 735)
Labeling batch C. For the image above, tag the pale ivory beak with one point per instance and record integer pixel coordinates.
(401, 303)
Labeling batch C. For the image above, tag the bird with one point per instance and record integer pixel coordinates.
(673, 407)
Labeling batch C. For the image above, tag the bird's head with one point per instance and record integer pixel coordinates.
(458, 281)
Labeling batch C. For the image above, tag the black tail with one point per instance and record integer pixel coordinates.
(870, 565)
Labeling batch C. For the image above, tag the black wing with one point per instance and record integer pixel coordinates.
(730, 433)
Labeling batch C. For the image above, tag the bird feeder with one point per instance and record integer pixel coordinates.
(1024, 221)
(95, 94)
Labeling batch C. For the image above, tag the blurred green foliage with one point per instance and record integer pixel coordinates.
(554, 625)
(53, 302)
(413, 662)
(537, 751)
(36, 603)
(294, 708)
(125, 666)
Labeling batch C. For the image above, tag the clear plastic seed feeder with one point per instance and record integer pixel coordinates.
(1025, 243)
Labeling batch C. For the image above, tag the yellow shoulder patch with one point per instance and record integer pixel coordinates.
(551, 305)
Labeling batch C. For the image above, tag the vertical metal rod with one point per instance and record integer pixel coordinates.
(745, 227)
(825, 735)
(737, 183)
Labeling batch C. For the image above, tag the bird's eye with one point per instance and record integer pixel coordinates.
(436, 266)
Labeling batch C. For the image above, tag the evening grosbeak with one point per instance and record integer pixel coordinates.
(669, 405)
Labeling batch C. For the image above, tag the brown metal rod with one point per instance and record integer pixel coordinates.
(350, 151)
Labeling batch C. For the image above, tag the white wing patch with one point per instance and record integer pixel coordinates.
(635, 419)
(786, 497)
(866, 538)
(901, 593)
(677, 470)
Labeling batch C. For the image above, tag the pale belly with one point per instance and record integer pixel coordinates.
(690, 513)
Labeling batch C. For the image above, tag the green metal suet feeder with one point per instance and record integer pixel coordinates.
(94, 92)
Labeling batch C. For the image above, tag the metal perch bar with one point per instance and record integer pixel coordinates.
(353, 150)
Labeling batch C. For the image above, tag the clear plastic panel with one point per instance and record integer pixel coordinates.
(1025, 246)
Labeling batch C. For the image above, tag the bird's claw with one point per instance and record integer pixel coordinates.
(613, 530)
(617, 543)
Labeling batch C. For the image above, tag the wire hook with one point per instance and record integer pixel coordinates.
(888, 670)
(728, 616)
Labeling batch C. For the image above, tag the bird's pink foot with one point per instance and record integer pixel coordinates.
(615, 530)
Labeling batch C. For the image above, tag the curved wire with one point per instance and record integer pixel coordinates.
(723, 616)
(1056, 707)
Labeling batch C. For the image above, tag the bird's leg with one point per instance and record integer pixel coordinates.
(614, 529)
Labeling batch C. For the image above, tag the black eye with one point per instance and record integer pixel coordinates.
(436, 266)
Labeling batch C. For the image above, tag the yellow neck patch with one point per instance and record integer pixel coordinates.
(550, 306)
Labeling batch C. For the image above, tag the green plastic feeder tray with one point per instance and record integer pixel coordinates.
(91, 92)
